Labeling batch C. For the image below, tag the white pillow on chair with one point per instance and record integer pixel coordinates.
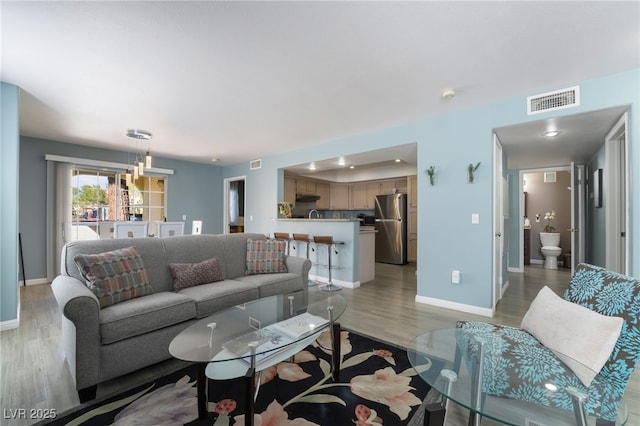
(581, 338)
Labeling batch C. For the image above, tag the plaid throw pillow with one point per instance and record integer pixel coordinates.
(114, 276)
(265, 257)
(192, 274)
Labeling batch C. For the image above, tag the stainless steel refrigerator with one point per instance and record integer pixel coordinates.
(391, 224)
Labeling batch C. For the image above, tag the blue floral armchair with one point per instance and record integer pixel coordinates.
(525, 365)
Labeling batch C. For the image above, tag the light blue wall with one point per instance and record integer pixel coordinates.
(9, 167)
(194, 189)
(447, 240)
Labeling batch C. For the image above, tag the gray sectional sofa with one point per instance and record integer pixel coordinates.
(104, 343)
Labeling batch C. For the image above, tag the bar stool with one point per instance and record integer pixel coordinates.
(328, 241)
(284, 236)
(303, 238)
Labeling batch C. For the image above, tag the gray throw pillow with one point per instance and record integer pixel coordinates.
(191, 274)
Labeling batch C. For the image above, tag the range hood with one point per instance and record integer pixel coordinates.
(307, 198)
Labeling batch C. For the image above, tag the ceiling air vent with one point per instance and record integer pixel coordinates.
(255, 164)
(550, 101)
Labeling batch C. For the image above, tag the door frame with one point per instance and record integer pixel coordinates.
(521, 174)
(578, 208)
(612, 197)
(225, 214)
(498, 223)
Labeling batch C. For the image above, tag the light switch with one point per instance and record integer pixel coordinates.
(475, 218)
(455, 277)
(184, 217)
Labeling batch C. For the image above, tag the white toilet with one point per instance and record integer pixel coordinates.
(550, 242)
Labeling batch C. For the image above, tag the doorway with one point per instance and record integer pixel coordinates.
(594, 139)
(234, 204)
(549, 208)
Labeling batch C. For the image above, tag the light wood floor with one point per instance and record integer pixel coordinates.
(33, 373)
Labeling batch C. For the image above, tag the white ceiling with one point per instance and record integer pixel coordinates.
(242, 80)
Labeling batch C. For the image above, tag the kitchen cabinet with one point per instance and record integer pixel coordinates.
(391, 186)
(412, 226)
(387, 187)
(305, 186)
(373, 189)
(324, 191)
(412, 190)
(340, 196)
(412, 212)
(412, 249)
(401, 185)
(290, 190)
(358, 196)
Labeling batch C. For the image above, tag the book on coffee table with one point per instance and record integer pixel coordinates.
(300, 326)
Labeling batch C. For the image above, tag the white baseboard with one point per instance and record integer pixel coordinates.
(36, 281)
(520, 270)
(537, 261)
(11, 324)
(346, 284)
(504, 288)
(485, 312)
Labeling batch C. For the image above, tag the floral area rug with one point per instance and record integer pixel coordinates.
(377, 387)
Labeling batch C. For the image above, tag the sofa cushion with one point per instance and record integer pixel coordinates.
(265, 256)
(114, 276)
(273, 284)
(191, 274)
(144, 314)
(211, 298)
(581, 338)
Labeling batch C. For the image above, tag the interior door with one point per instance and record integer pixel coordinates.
(578, 242)
(498, 221)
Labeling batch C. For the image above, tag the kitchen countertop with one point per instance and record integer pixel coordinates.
(314, 220)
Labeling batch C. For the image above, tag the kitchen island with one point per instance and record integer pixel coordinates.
(349, 267)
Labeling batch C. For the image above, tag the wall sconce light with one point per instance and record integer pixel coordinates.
(471, 169)
(431, 171)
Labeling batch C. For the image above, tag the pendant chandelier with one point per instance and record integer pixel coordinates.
(138, 164)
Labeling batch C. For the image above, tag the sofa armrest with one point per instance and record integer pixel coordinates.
(80, 329)
(298, 265)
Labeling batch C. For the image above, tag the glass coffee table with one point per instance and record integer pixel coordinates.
(436, 356)
(245, 339)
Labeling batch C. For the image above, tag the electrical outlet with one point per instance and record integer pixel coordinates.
(184, 217)
(475, 218)
(455, 277)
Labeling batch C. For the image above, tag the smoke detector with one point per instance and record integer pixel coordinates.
(448, 94)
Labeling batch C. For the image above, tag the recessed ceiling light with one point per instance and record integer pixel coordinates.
(352, 166)
(215, 160)
(341, 161)
(398, 160)
(312, 166)
(551, 133)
